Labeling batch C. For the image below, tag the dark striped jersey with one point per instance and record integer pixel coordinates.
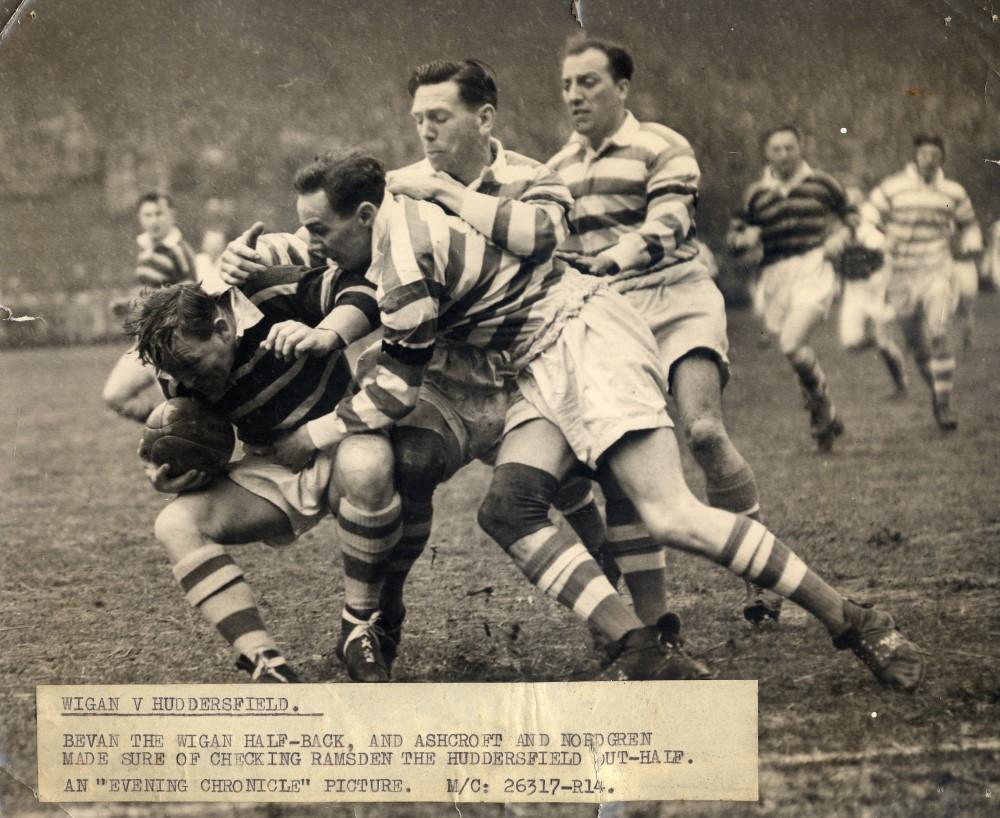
(268, 396)
(438, 277)
(170, 261)
(796, 216)
(634, 197)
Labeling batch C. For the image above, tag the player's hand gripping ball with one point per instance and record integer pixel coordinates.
(186, 434)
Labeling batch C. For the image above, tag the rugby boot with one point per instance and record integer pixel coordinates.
(652, 653)
(392, 630)
(360, 649)
(761, 606)
(268, 667)
(825, 436)
(899, 380)
(946, 421)
(874, 638)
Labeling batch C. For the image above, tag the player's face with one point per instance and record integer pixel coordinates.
(204, 365)
(156, 219)
(783, 153)
(450, 132)
(594, 99)
(929, 159)
(347, 240)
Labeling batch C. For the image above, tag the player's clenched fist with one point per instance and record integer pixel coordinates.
(240, 259)
(159, 477)
(293, 339)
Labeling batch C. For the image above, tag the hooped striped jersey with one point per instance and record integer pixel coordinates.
(919, 219)
(268, 396)
(796, 216)
(439, 277)
(634, 197)
(518, 203)
(169, 261)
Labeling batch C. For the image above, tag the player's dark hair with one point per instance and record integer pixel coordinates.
(156, 197)
(620, 62)
(156, 317)
(348, 180)
(928, 139)
(477, 82)
(788, 127)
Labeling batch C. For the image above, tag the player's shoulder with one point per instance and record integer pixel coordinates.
(953, 189)
(817, 176)
(566, 154)
(659, 136)
(521, 160)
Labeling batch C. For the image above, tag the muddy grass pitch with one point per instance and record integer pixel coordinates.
(899, 515)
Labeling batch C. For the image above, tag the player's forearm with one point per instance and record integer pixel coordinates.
(390, 396)
(348, 323)
(526, 229)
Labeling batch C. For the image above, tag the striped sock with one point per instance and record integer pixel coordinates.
(367, 539)
(570, 575)
(642, 562)
(754, 553)
(942, 369)
(417, 516)
(736, 492)
(214, 584)
(575, 501)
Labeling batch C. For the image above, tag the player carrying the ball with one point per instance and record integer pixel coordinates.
(230, 350)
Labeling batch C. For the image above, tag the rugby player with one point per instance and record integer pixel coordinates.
(919, 210)
(229, 350)
(865, 317)
(635, 190)
(591, 392)
(521, 206)
(164, 258)
(804, 222)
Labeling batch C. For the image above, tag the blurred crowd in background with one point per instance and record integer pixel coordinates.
(219, 105)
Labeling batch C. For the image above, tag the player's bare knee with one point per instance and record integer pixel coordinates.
(179, 527)
(705, 435)
(363, 473)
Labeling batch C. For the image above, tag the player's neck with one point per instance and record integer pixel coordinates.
(476, 164)
(598, 138)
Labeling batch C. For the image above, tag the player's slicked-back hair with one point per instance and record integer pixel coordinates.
(156, 317)
(620, 61)
(787, 127)
(156, 197)
(347, 179)
(928, 139)
(477, 82)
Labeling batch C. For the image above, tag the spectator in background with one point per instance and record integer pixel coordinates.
(804, 221)
(921, 213)
(164, 258)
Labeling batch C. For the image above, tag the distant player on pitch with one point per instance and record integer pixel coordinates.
(804, 221)
(919, 210)
(164, 258)
(866, 319)
(635, 190)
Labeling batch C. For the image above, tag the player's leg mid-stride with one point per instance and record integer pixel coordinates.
(567, 413)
